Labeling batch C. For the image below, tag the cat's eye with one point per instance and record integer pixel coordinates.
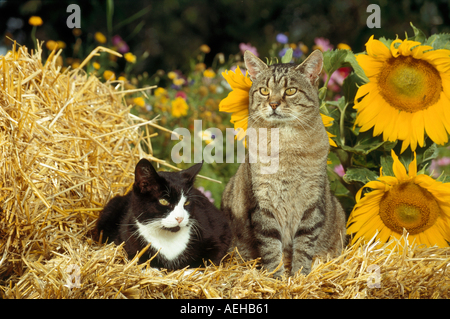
(291, 91)
(187, 203)
(164, 202)
(264, 91)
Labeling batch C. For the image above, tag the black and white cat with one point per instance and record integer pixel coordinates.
(164, 209)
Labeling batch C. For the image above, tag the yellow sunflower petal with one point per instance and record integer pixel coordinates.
(370, 65)
(398, 168)
(412, 168)
(377, 49)
(435, 129)
(405, 47)
(418, 128)
(394, 51)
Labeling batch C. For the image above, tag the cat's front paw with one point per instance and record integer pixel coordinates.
(305, 270)
(279, 273)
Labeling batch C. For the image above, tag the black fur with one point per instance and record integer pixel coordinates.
(208, 241)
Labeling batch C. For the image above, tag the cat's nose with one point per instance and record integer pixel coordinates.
(179, 219)
(274, 105)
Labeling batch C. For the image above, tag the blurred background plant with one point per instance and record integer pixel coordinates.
(183, 47)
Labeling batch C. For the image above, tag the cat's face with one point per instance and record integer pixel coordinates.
(162, 200)
(283, 93)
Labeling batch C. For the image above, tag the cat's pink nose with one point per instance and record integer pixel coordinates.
(179, 219)
(274, 105)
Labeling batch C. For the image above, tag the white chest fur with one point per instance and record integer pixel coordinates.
(170, 244)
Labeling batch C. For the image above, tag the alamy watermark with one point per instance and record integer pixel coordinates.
(73, 20)
(73, 279)
(373, 20)
(257, 141)
(374, 280)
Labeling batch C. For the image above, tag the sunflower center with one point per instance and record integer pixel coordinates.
(407, 205)
(409, 84)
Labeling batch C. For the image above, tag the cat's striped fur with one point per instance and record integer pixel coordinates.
(291, 212)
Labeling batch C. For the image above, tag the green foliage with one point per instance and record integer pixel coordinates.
(287, 57)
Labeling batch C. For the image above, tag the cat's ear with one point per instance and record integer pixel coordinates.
(146, 178)
(189, 174)
(253, 64)
(312, 66)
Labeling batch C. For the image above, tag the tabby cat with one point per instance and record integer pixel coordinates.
(292, 212)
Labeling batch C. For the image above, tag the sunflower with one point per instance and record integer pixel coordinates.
(237, 100)
(417, 203)
(237, 103)
(408, 92)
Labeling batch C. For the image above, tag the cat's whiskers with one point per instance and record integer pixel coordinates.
(195, 226)
(167, 191)
(301, 124)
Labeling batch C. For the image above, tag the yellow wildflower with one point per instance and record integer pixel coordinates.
(179, 107)
(200, 67)
(179, 82)
(130, 57)
(160, 92)
(96, 65)
(139, 101)
(51, 45)
(35, 21)
(343, 46)
(61, 44)
(209, 73)
(77, 32)
(172, 75)
(161, 95)
(205, 49)
(109, 75)
(100, 37)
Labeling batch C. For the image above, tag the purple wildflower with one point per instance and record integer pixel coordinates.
(244, 47)
(297, 53)
(339, 169)
(282, 52)
(282, 38)
(323, 44)
(121, 45)
(207, 194)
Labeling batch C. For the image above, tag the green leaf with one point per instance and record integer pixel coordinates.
(386, 42)
(322, 93)
(362, 175)
(287, 57)
(443, 178)
(386, 164)
(418, 35)
(335, 59)
(364, 146)
(350, 87)
(431, 153)
(439, 41)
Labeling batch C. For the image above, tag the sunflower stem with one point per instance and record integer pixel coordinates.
(341, 125)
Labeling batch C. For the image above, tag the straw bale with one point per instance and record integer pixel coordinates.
(105, 272)
(68, 144)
